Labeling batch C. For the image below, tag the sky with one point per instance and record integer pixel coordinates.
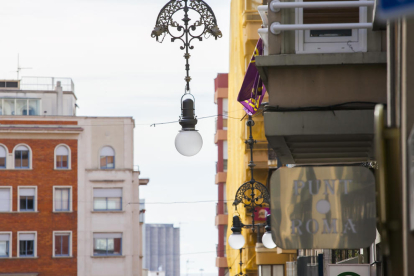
(119, 70)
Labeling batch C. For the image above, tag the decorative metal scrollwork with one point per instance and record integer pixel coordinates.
(206, 25)
(207, 20)
(252, 195)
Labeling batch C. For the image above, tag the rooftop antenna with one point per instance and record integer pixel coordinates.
(20, 68)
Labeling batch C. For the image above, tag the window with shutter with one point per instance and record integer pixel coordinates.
(331, 41)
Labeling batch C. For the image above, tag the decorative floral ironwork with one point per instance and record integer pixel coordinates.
(187, 32)
(252, 195)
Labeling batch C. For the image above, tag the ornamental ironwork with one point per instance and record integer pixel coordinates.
(204, 26)
(252, 194)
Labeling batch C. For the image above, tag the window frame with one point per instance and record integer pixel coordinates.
(106, 159)
(5, 161)
(10, 245)
(69, 167)
(29, 157)
(70, 199)
(34, 244)
(107, 210)
(34, 200)
(11, 198)
(15, 106)
(272, 269)
(304, 44)
(107, 255)
(57, 233)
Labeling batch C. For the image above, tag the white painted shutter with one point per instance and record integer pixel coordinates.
(107, 192)
(5, 200)
(27, 191)
(107, 235)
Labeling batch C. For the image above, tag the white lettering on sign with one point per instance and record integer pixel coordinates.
(312, 226)
(349, 226)
(327, 229)
(330, 186)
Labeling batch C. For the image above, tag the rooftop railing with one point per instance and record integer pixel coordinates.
(46, 83)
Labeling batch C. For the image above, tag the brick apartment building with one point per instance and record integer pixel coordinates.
(65, 186)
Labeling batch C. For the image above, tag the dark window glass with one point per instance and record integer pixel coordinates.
(330, 33)
(2, 84)
(2, 162)
(12, 84)
(26, 248)
(62, 245)
(21, 159)
(26, 203)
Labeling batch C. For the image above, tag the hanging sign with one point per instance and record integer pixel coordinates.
(323, 207)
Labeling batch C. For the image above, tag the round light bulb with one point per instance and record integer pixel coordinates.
(188, 142)
(267, 240)
(236, 241)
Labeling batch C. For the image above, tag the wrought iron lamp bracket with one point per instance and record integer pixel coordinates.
(252, 194)
(186, 32)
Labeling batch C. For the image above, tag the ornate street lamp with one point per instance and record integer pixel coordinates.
(188, 141)
(251, 194)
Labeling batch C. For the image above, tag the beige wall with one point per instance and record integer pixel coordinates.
(117, 133)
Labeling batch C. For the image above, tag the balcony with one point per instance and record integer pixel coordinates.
(323, 79)
(221, 135)
(221, 219)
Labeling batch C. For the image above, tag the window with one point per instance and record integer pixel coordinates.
(5, 199)
(27, 199)
(5, 245)
(3, 155)
(22, 107)
(107, 244)
(271, 270)
(107, 158)
(27, 245)
(331, 41)
(62, 157)
(62, 201)
(21, 157)
(62, 244)
(107, 199)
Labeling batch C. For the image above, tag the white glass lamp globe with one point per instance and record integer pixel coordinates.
(236, 241)
(267, 240)
(188, 142)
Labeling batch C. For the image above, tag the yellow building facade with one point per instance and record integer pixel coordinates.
(244, 24)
